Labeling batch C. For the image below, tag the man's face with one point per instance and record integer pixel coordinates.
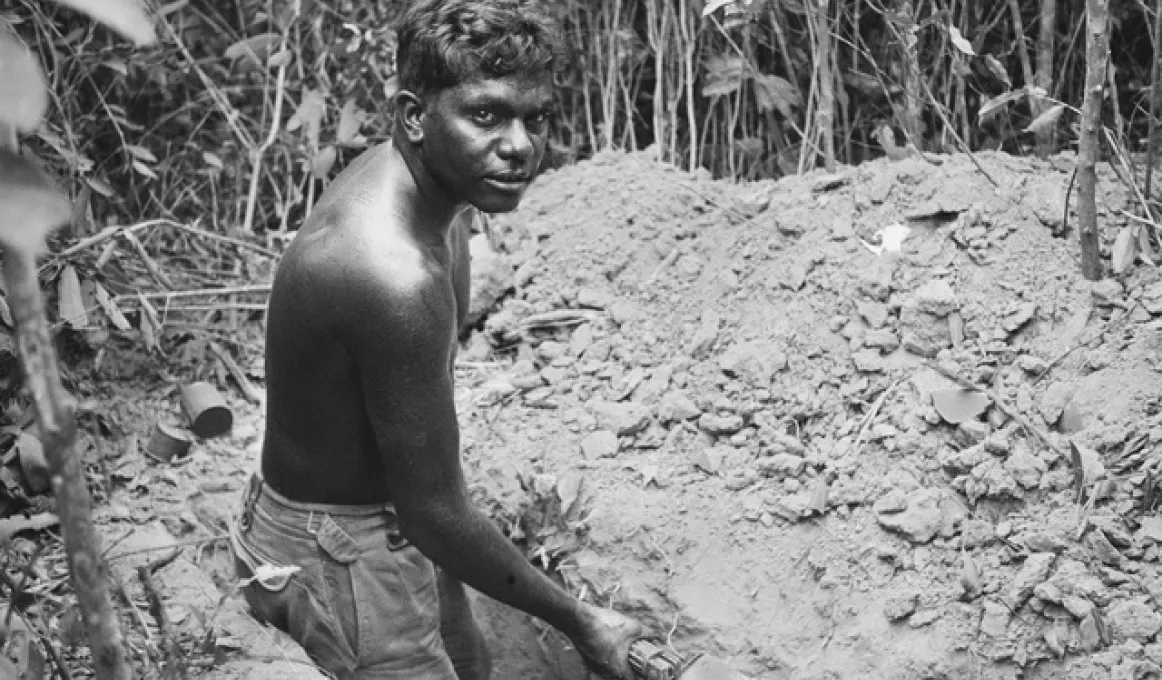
(484, 139)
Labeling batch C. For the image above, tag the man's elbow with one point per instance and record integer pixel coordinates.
(432, 519)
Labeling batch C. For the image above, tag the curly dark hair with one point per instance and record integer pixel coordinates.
(442, 43)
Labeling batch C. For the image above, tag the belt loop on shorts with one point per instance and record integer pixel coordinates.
(313, 530)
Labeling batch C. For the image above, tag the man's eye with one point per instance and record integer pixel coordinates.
(539, 118)
(484, 117)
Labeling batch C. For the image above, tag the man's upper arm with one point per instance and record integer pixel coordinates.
(399, 325)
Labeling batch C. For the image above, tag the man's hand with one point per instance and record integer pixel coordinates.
(604, 642)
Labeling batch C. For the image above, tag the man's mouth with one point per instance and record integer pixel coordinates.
(508, 183)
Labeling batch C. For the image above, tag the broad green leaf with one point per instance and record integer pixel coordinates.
(724, 75)
(1046, 120)
(350, 120)
(25, 91)
(998, 69)
(144, 170)
(323, 161)
(100, 186)
(31, 206)
(958, 40)
(390, 87)
(256, 47)
(775, 92)
(309, 116)
(993, 106)
(127, 17)
(715, 5)
(141, 153)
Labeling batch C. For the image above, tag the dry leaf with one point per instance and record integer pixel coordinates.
(1046, 120)
(970, 577)
(1087, 468)
(709, 460)
(25, 90)
(1053, 642)
(70, 302)
(127, 17)
(820, 491)
(1124, 250)
(957, 406)
(649, 474)
(569, 490)
(149, 324)
(111, 310)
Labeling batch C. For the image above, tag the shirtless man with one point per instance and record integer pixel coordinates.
(361, 487)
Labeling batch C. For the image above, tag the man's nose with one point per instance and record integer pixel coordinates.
(517, 143)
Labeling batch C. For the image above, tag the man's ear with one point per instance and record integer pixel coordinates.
(409, 108)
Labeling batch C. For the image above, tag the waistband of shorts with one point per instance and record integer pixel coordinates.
(260, 491)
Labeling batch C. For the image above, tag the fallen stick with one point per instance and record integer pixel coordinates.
(252, 394)
(559, 317)
(1001, 405)
(150, 265)
(202, 292)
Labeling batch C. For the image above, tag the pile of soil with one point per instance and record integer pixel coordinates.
(737, 413)
(864, 424)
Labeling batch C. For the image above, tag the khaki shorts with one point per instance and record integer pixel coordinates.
(364, 603)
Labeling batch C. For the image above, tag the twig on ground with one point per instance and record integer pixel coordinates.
(150, 265)
(871, 416)
(171, 648)
(252, 394)
(1001, 405)
(203, 292)
(559, 317)
(114, 231)
(176, 544)
(163, 561)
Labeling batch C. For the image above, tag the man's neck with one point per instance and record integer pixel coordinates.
(432, 207)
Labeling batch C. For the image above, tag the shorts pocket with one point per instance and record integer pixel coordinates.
(343, 552)
(398, 606)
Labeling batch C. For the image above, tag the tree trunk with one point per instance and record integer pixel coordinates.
(1155, 107)
(913, 86)
(825, 113)
(1096, 56)
(1045, 48)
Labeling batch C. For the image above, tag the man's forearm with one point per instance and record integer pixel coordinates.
(469, 546)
